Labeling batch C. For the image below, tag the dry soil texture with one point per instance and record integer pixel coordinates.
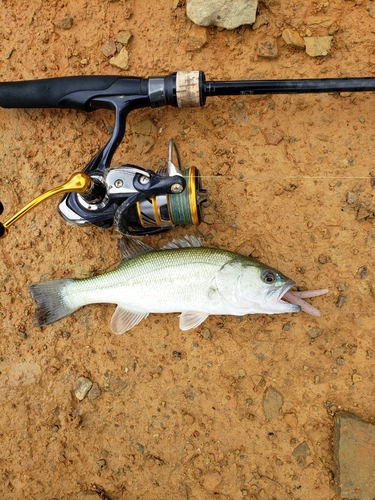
(182, 415)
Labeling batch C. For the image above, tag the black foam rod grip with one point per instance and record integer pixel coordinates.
(74, 92)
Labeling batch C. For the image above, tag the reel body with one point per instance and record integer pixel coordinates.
(138, 201)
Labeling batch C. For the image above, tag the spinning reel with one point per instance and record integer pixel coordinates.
(136, 201)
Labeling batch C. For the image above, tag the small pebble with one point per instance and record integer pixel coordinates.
(356, 378)
(23, 334)
(206, 333)
(82, 388)
(314, 333)
(101, 463)
(341, 301)
(362, 272)
(323, 259)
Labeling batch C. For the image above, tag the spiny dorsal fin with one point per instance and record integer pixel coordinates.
(187, 241)
(130, 247)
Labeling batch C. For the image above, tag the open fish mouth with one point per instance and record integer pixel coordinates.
(297, 298)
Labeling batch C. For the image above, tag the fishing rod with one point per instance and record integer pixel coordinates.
(135, 200)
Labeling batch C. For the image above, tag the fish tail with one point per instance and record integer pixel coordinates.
(51, 304)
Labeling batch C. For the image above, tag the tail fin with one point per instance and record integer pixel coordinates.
(51, 305)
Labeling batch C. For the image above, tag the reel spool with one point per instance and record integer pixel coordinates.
(159, 212)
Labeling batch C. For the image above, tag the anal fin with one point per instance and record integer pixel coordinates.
(191, 319)
(123, 320)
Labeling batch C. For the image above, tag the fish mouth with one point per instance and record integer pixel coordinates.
(285, 288)
(281, 293)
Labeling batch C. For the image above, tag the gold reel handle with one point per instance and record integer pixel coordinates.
(78, 183)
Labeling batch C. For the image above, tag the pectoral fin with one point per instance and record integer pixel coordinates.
(123, 320)
(191, 319)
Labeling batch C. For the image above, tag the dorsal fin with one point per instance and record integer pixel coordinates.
(187, 241)
(130, 247)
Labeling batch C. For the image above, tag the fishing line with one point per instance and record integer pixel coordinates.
(321, 177)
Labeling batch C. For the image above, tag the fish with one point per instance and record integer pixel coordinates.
(182, 277)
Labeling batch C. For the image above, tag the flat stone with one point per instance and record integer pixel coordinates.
(272, 403)
(354, 452)
(273, 136)
(211, 481)
(318, 45)
(121, 60)
(94, 392)
(64, 23)
(268, 49)
(302, 450)
(197, 39)
(124, 37)
(109, 49)
(291, 37)
(227, 14)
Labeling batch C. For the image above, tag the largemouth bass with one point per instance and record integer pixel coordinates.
(182, 277)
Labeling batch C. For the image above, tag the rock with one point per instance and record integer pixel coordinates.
(124, 37)
(211, 481)
(197, 39)
(206, 333)
(302, 450)
(94, 392)
(82, 387)
(261, 20)
(227, 14)
(109, 49)
(314, 333)
(8, 53)
(144, 136)
(273, 136)
(318, 46)
(354, 451)
(64, 23)
(291, 37)
(272, 403)
(351, 198)
(121, 60)
(363, 213)
(189, 419)
(267, 49)
(291, 420)
(316, 22)
(362, 273)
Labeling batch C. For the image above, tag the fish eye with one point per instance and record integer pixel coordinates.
(269, 277)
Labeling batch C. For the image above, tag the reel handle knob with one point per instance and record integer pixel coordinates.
(78, 183)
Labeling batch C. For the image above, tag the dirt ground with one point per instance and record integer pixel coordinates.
(192, 425)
